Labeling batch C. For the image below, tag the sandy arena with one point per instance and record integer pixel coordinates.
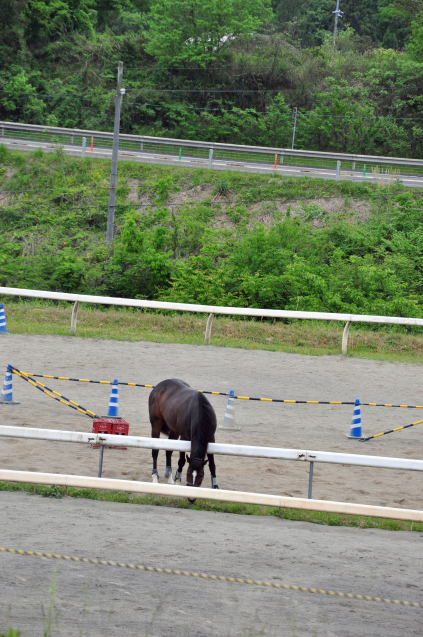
(116, 602)
(250, 373)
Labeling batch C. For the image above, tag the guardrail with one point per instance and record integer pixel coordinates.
(139, 442)
(208, 151)
(211, 310)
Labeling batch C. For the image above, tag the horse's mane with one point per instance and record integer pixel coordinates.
(202, 432)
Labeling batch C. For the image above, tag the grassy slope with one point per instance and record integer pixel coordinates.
(55, 203)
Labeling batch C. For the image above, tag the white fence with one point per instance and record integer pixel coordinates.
(212, 494)
(220, 495)
(211, 310)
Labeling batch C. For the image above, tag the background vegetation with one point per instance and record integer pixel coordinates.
(214, 238)
(221, 71)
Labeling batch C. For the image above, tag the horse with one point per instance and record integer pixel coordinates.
(179, 411)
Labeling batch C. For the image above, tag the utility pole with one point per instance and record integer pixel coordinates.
(338, 14)
(120, 92)
(294, 114)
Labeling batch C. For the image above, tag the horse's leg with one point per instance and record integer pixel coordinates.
(156, 426)
(181, 463)
(212, 468)
(168, 474)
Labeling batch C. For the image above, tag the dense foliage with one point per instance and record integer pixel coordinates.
(202, 236)
(225, 71)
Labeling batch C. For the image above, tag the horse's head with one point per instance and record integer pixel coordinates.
(195, 473)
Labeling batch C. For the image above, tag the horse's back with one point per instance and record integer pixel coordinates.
(173, 400)
(180, 405)
(168, 388)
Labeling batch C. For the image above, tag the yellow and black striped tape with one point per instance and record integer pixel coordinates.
(53, 394)
(391, 431)
(218, 578)
(222, 393)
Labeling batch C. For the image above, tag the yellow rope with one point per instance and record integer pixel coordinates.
(220, 578)
(52, 394)
(220, 393)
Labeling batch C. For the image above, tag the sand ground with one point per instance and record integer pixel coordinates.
(114, 602)
(248, 372)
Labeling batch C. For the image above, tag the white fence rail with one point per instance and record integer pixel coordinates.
(221, 495)
(199, 148)
(276, 453)
(302, 455)
(212, 494)
(211, 310)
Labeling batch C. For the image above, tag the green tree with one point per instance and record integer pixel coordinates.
(11, 36)
(197, 31)
(48, 20)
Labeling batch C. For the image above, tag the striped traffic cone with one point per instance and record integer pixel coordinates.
(6, 395)
(355, 431)
(229, 419)
(114, 401)
(2, 319)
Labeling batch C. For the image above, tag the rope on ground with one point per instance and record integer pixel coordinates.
(53, 394)
(220, 578)
(390, 431)
(222, 393)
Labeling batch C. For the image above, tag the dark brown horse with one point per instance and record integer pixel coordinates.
(182, 412)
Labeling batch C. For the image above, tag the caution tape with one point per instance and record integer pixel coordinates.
(52, 394)
(222, 393)
(220, 578)
(391, 431)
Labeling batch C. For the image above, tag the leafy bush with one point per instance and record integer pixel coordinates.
(218, 254)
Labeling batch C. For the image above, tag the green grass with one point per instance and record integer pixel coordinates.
(328, 519)
(300, 337)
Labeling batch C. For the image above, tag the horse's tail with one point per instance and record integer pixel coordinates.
(202, 432)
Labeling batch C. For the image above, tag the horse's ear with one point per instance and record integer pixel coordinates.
(205, 462)
(188, 458)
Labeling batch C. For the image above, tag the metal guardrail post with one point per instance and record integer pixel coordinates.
(210, 157)
(310, 481)
(338, 170)
(84, 143)
(100, 462)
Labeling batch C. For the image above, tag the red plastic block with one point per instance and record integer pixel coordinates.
(116, 426)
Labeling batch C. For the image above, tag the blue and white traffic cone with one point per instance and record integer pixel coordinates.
(229, 419)
(355, 431)
(2, 319)
(6, 395)
(114, 401)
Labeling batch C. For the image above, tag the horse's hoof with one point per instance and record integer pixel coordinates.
(155, 478)
(168, 472)
(215, 486)
(192, 500)
(171, 480)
